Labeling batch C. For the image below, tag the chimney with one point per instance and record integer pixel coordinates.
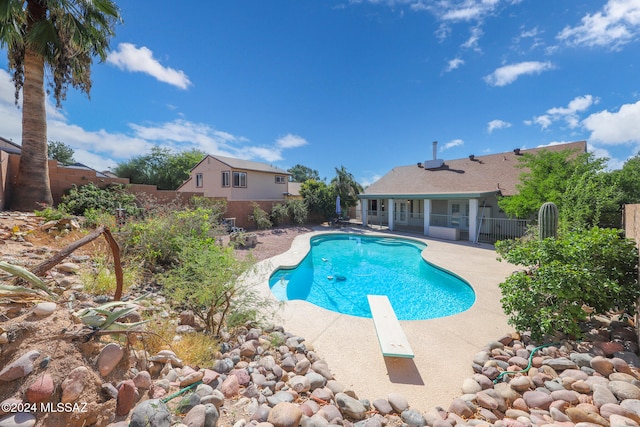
(435, 163)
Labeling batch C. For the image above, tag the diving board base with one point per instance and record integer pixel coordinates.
(393, 341)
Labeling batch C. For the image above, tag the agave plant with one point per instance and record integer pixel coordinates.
(105, 316)
(12, 291)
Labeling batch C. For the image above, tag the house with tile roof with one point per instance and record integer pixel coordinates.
(452, 199)
(238, 180)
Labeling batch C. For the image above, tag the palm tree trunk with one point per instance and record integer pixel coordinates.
(32, 188)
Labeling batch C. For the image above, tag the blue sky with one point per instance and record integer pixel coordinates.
(364, 84)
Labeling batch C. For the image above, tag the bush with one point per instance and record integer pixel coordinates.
(594, 269)
(279, 213)
(260, 217)
(102, 280)
(159, 238)
(52, 214)
(92, 198)
(298, 211)
(207, 281)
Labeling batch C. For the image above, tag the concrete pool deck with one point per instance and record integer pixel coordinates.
(444, 348)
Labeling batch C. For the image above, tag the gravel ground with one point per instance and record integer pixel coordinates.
(273, 242)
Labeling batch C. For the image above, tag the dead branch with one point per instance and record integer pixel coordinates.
(42, 268)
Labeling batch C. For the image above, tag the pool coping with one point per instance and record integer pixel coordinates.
(444, 347)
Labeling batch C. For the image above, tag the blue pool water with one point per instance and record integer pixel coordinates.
(340, 271)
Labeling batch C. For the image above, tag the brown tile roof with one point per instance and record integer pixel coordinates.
(460, 177)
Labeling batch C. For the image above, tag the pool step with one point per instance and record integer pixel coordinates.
(393, 341)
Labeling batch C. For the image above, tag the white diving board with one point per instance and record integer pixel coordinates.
(393, 341)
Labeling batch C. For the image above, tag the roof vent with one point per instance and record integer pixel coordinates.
(517, 151)
(433, 164)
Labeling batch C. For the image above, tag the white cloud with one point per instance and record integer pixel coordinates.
(615, 128)
(497, 124)
(617, 23)
(568, 114)
(102, 149)
(131, 58)
(510, 73)
(454, 64)
(544, 121)
(474, 38)
(451, 144)
(291, 141)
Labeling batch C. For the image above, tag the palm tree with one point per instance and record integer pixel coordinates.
(64, 36)
(346, 187)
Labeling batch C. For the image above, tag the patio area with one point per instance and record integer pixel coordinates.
(444, 348)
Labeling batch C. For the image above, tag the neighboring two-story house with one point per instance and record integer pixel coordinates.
(237, 179)
(241, 183)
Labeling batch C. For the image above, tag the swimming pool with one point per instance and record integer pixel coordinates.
(340, 270)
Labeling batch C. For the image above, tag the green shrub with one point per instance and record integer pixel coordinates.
(102, 280)
(595, 268)
(207, 281)
(260, 217)
(52, 214)
(298, 211)
(279, 213)
(159, 238)
(90, 197)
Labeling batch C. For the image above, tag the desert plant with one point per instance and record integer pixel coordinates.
(49, 213)
(298, 211)
(279, 213)
(594, 268)
(159, 239)
(548, 220)
(90, 197)
(196, 349)
(105, 316)
(23, 273)
(207, 281)
(102, 279)
(260, 217)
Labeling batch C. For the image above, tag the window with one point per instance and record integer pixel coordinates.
(280, 179)
(239, 179)
(199, 180)
(225, 179)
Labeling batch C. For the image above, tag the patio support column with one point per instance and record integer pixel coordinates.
(473, 219)
(427, 216)
(390, 209)
(364, 205)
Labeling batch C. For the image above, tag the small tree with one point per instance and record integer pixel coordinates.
(207, 281)
(596, 268)
(300, 173)
(61, 152)
(346, 186)
(319, 198)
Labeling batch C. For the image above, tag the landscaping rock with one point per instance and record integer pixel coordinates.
(21, 367)
(109, 358)
(150, 413)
